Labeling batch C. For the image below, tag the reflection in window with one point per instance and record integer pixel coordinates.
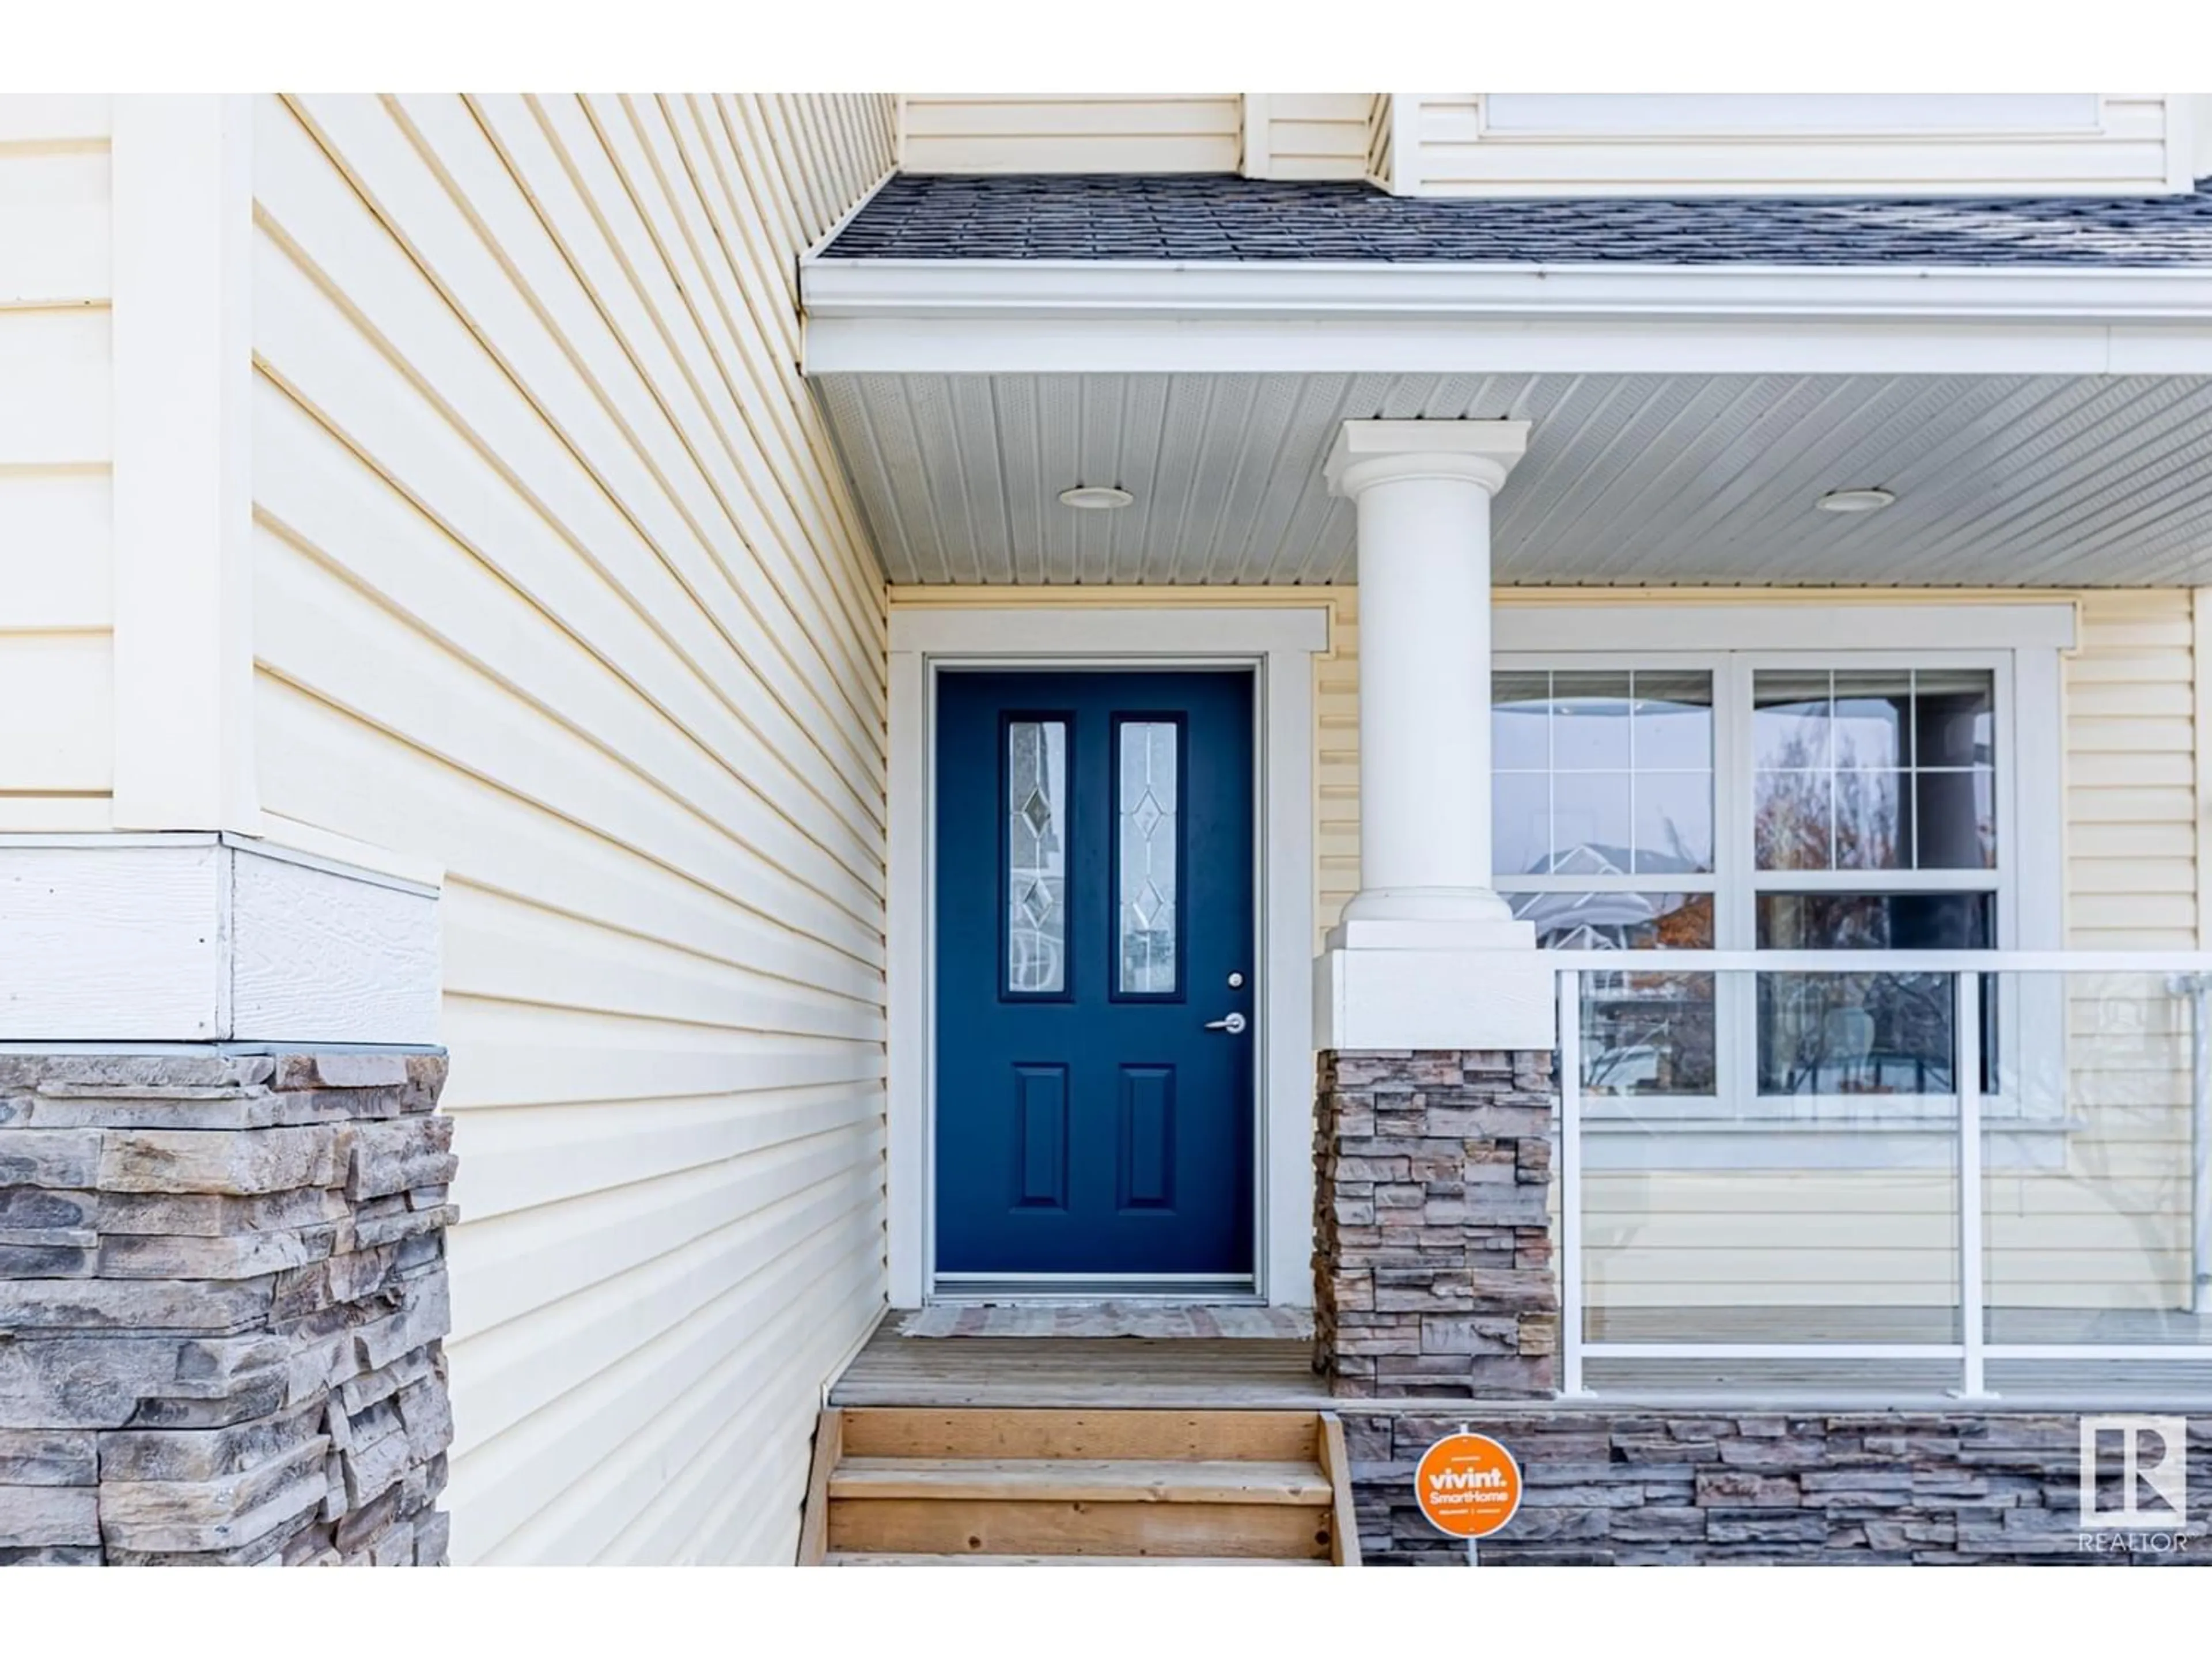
(1146, 812)
(1036, 856)
(1643, 1033)
(1865, 1034)
(1602, 774)
(1883, 770)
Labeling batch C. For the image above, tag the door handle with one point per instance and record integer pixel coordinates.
(1233, 1024)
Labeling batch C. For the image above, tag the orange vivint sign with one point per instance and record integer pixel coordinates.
(1469, 1485)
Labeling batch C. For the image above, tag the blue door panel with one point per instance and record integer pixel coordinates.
(1087, 1121)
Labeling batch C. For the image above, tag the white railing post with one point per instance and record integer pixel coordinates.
(1570, 1184)
(2199, 988)
(1966, 1073)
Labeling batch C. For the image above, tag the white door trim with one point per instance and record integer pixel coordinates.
(1280, 642)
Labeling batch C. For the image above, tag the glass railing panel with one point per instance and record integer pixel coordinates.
(1716, 1209)
(2094, 1229)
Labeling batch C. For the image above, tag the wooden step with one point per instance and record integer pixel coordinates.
(898, 1485)
(970, 1431)
(1082, 1480)
(1066, 1561)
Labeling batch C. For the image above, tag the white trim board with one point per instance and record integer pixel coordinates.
(1279, 643)
(1039, 316)
(204, 938)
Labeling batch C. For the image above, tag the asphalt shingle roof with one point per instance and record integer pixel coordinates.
(1169, 216)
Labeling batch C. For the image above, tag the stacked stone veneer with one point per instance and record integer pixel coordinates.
(1432, 1259)
(223, 1289)
(1631, 1487)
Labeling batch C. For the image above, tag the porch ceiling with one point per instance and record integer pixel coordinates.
(1630, 478)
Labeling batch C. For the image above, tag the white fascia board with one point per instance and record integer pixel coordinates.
(1095, 316)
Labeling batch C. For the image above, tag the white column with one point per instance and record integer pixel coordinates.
(1424, 956)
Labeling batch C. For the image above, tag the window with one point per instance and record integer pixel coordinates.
(1755, 801)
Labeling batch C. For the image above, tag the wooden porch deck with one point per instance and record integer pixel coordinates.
(1188, 1372)
(1198, 1373)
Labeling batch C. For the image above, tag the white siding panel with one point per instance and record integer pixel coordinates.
(2127, 154)
(1319, 135)
(54, 204)
(1085, 132)
(558, 586)
(57, 606)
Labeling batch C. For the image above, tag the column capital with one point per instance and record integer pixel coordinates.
(1381, 451)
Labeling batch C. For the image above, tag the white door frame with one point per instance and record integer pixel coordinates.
(1278, 643)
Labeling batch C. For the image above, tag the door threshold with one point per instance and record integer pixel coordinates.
(1055, 1288)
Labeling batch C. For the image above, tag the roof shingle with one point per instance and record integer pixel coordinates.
(1186, 216)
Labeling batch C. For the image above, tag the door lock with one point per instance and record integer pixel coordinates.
(1233, 1024)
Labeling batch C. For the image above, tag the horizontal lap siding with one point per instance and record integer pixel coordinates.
(56, 539)
(1318, 135)
(1458, 158)
(558, 588)
(1076, 132)
(2131, 781)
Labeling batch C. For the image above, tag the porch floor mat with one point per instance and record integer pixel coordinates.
(1143, 1319)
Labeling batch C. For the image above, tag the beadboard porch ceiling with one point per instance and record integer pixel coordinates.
(1630, 479)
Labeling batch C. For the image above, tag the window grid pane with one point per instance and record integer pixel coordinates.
(1602, 774)
(1882, 769)
(1147, 813)
(1036, 857)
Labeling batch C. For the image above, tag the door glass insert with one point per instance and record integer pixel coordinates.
(1036, 857)
(1147, 816)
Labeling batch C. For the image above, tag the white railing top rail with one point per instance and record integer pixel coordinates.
(1884, 962)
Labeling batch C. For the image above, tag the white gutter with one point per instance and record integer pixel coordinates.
(962, 315)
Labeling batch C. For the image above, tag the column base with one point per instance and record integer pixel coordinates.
(1433, 1242)
(222, 1302)
(1385, 985)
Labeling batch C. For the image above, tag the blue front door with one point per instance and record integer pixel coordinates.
(1095, 975)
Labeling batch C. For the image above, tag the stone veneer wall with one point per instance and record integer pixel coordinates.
(1628, 1486)
(1432, 1248)
(223, 1289)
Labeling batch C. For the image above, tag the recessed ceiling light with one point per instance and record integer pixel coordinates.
(1855, 501)
(1095, 498)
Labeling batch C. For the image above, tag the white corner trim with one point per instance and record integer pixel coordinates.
(1258, 158)
(181, 380)
(1406, 151)
(1280, 642)
(199, 937)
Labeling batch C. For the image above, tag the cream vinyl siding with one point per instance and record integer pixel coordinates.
(1381, 115)
(57, 738)
(1311, 135)
(2131, 774)
(2134, 149)
(1077, 132)
(558, 588)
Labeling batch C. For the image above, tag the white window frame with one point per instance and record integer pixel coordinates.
(2020, 646)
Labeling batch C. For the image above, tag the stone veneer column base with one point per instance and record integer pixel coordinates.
(1432, 1250)
(223, 1289)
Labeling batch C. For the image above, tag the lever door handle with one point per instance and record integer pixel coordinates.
(1233, 1024)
